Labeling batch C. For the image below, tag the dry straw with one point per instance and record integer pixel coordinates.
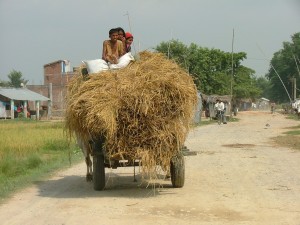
(144, 110)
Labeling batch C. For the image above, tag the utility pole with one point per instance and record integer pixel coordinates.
(130, 29)
(294, 88)
(231, 83)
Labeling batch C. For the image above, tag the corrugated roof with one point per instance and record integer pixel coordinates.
(265, 99)
(22, 94)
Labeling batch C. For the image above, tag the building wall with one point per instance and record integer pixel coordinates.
(53, 73)
(56, 73)
(58, 95)
(59, 90)
(40, 89)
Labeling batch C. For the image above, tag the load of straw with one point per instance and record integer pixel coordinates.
(144, 111)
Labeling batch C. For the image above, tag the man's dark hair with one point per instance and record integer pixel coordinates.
(114, 30)
(120, 29)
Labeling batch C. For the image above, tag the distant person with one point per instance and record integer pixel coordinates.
(15, 112)
(129, 40)
(113, 49)
(19, 109)
(28, 112)
(273, 107)
(234, 109)
(220, 108)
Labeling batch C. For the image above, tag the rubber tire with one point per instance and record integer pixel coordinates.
(177, 170)
(98, 172)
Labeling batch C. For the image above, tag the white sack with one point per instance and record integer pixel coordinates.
(124, 60)
(96, 65)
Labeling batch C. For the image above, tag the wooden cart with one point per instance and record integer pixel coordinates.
(100, 161)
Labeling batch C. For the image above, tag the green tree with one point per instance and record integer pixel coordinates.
(212, 69)
(175, 50)
(283, 68)
(245, 85)
(4, 83)
(15, 79)
(265, 86)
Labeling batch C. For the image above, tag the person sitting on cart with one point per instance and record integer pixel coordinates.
(121, 36)
(113, 49)
(129, 40)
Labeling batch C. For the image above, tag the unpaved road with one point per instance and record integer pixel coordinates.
(239, 177)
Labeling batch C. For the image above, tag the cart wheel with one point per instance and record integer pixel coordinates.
(177, 170)
(98, 172)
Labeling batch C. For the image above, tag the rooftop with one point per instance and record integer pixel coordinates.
(22, 94)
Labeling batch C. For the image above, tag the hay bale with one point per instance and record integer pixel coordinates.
(144, 110)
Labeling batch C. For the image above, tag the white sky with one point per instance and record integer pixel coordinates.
(37, 32)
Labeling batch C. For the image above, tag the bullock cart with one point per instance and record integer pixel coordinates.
(102, 161)
(144, 111)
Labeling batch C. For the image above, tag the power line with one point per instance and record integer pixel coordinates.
(258, 59)
(127, 14)
(231, 64)
(276, 74)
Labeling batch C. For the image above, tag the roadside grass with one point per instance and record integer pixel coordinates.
(294, 130)
(291, 138)
(292, 116)
(234, 119)
(31, 151)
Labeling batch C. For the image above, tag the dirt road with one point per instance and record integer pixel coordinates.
(239, 177)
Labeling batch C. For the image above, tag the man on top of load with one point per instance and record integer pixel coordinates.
(113, 49)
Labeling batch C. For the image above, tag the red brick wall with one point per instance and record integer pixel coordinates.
(52, 72)
(59, 80)
(59, 90)
(54, 75)
(40, 89)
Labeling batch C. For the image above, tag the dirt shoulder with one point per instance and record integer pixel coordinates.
(239, 176)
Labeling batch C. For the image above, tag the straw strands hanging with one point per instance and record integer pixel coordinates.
(144, 111)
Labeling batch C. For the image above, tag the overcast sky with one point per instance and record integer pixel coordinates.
(37, 32)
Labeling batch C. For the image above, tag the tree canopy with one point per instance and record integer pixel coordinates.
(212, 69)
(284, 67)
(15, 80)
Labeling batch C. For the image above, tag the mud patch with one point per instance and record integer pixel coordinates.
(206, 152)
(239, 145)
(197, 214)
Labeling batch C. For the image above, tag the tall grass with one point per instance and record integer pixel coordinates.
(30, 150)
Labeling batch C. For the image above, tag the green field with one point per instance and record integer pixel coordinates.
(31, 150)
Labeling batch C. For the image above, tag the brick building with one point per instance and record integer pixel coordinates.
(56, 77)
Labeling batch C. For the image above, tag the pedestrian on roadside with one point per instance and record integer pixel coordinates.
(273, 107)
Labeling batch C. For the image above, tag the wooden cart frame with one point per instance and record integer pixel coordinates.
(100, 162)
